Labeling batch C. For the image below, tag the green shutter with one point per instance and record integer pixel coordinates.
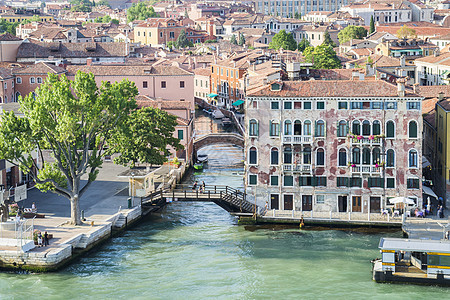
(347, 128)
(314, 181)
(315, 128)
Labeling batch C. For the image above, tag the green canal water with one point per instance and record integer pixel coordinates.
(197, 251)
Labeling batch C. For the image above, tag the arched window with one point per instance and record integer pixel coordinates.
(390, 158)
(376, 154)
(287, 127)
(274, 156)
(413, 158)
(320, 157)
(356, 156)
(297, 127)
(17, 96)
(412, 129)
(366, 128)
(287, 155)
(253, 156)
(342, 157)
(307, 128)
(376, 128)
(356, 127)
(254, 128)
(390, 129)
(274, 128)
(320, 128)
(342, 129)
(366, 156)
(307, 155)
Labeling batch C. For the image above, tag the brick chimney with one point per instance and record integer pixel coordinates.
(401, 87)
(89, 61)
(441, 96)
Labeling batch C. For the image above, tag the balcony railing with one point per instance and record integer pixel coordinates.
(302, 168)
(297, 139)
(366, 169)
(375, 141)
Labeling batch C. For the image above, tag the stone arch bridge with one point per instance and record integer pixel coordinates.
(218, 138)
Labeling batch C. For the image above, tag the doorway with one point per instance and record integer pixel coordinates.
(288, 202)
(356, 204)
(274, 201)
(342, 203)
(375, 204)
(307, 202)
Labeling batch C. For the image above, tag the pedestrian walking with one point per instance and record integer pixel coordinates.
(39, 239)
(46, 239)
(194, 187)
(204, 185)
(33, 207)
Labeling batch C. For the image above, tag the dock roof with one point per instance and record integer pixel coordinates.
(441, 246)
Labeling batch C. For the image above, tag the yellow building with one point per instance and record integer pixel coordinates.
(442, 155)
(20, 17)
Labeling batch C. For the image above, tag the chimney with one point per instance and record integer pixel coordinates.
(401, 87)
(89, 61)
(402, 61)
(415, 87)
(441, 96)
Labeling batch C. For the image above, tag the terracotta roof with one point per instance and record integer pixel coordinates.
(145, 101)
(431, 91)
(332, 88)
(5, 73)
(203, 71)
(434, 59)
(334, 74)
(378, 61)
(430, 117)
(428, 30)
(129, 70)
(9, 37)
(428, 105)
(39, 68)
(445, 104)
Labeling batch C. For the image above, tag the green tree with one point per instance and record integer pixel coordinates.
(71, 119)
(351, 32)
(405, 33)
(323, 57)
(103, 3)
(140, 11)
(298, 15)
(303, 45)
(241, 39)
(186, 15)
(283, 40)
(372, 25)
(145, 137)
(327, 39)
(6, 26)
(233, 39)
(34, 18)
(182, 41)
(115, 21)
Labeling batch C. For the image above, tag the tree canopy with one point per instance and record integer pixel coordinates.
(241, 39)
(405, 33)
(372, 25)
(102, 3)
(182, 41)
(233, 39)
(323, 57)
(303, 45)
(145, 137)
(6, 26)
(140, 11)
(82, 5)
(351, 32)
(327, 39)
(283, 40)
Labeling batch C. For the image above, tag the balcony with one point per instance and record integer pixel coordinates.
(297, 168)
(366, 169)
(297, 139)
(366, 140)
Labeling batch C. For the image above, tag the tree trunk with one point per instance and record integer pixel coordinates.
(75, 218)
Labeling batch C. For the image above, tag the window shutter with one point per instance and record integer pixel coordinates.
(369, 182)
(257, 128)
(324, 181)
(315, 128)
(347, 128)
(324, 128)
(314, 181)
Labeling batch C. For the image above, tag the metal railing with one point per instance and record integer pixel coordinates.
(297, 167)
(297, 139)
(368, 169)
(375, 141)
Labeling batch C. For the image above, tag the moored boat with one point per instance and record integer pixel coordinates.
(198, 166)
(217, 114)
(202, 158)
(226, 122)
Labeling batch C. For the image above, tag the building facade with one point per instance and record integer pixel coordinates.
(286, 8)
(339, 146)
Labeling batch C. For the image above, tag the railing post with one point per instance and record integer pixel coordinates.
(226, 189)
(209, 194)
(215, 189)
(185, 195)
(173, 195)
(196, 191)
(220, 195)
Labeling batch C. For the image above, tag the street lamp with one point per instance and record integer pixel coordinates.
(132, 188)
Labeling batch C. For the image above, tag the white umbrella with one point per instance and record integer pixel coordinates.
(401, 200)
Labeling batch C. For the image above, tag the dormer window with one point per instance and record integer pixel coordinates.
(275, 86)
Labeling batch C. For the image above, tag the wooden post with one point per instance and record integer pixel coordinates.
(196, 191)
(184, 194)
(209, 194)
(220, 195)
(226, 189)
(173, 195)
(215, 189)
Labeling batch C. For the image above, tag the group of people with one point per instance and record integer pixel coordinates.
(42, 239)
(201, 188)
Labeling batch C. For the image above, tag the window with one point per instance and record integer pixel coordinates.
(32, 80)
(377, 105)
(6, 85)
(180, 134)
(307, 105)
(307, 155)
(39, 80)
(252, 179)
(413, 105)
(320, 128)
(342, 129)
(297, 127)
(163, 84)
(307, 128)
(288, 180)
(366, 128)
(287, 127)
(342, 181)
(274, 128)
(320, 157)
(366, 156)
(287, 105)
(275, 105)
(297, 105)
(274, 156)
(19, 80)
(182, 84)
(413, 158)
(320, 105)
(342, 105)
(376, 155)
(171, 34)
(287, 155)
(391, 105)
(320, 181)
(412, 129)
(356, 182)
(253, 156)
(390, 129)
(145, 84)
(320, 199)
(356, 127)
(274, 180)
(390, 183)
(412, 183)
(342, 159)
(375, 182)
(356, 105)
(305, 181)
(356, 156)
(376, 128)
(253, 128)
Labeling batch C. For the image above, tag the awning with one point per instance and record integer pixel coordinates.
(212, 95)
(425, 162)
(237, 103)
(445, 74)
(428, 191)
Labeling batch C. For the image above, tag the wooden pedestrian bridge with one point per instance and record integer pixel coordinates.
(230, 199)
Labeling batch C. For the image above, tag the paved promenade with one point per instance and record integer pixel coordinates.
(426, 228)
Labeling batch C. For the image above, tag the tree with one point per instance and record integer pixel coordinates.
(115, 21)
(241, 39)
(405, 32)
(298, 15)
(81, 5)
(140, 11)
(372, 25)
(283, 40)
(145, 137)
(182, 41)
(323, 57)
(303, 45)
(103, 3)
(6, 26)
(351, 32)
(186, 15)
(327, 39)
(233, 39)
(71, 119)
(34, 18)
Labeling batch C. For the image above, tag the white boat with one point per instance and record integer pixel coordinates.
(217, 114)
(203, 158)
(226, 122)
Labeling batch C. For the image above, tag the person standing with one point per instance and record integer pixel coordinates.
(204, 185)
(194, 187)
(46, 239)
(39, 238)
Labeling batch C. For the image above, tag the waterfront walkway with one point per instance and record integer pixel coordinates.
(427, 228)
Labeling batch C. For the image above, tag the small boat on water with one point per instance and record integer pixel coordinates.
(226, 122)
(217, 114)
(202, 158)
(198, 166)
